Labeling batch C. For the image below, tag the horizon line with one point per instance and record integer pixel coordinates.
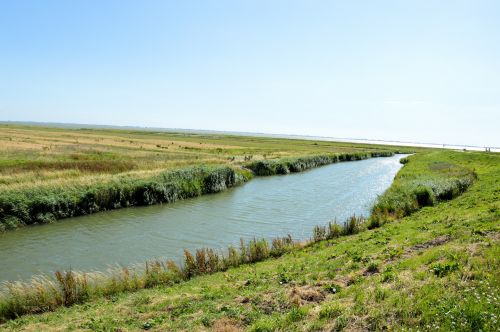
(250, 133)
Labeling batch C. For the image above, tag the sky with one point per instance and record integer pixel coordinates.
(426, 71)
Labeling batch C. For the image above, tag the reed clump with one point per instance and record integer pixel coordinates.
(353, 225)
(205, 261)
(282, 245)
(404, 160)
(258, 250)
(407, 197)
(319, 233)
(74, 288)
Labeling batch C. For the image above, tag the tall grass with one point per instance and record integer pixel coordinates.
(299, 164)
(419, 184)
(43, 205)
(352, 225)
(87, 166)
(44, 293)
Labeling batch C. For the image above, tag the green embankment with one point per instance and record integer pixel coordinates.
(43, 205)
(39, 205)
(299, 164)
(434, 266)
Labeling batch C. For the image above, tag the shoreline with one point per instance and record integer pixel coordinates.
(27, 207)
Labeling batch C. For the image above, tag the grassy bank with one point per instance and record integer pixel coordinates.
(299, 164)
(53, 173)
(45, 293)
(40, 205)
(46, 204)
(429, 183)
(436, 268)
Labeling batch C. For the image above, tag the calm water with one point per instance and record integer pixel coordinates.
(264, 207)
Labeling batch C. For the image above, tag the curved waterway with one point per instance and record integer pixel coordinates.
(265, 207)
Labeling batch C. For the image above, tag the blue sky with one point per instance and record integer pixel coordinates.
(407, 70)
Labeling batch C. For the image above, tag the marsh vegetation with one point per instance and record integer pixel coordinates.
(327, 242)
(51, 173)
(426, 258)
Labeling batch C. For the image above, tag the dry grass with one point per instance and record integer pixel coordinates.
(226, 325)
(25, 150)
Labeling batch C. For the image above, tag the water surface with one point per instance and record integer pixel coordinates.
(264, 207)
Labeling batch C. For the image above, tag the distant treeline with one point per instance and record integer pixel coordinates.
(41, 205)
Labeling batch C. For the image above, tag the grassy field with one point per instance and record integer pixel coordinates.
(54, 156)
(53, 173)
(428, 259)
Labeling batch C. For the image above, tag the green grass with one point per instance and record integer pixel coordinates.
(431, 181)
(298, 164)
(437, 268)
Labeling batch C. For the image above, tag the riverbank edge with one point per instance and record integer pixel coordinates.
(46, 205)
(44, 294)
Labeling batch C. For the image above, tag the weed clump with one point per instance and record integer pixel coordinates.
(330, 311)
(280, 246)
(258, 250)
(443, 269)
(319, 233)
(74, 288)
(334, 230)
(374, 221)
(372, 268)
(352, 225)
